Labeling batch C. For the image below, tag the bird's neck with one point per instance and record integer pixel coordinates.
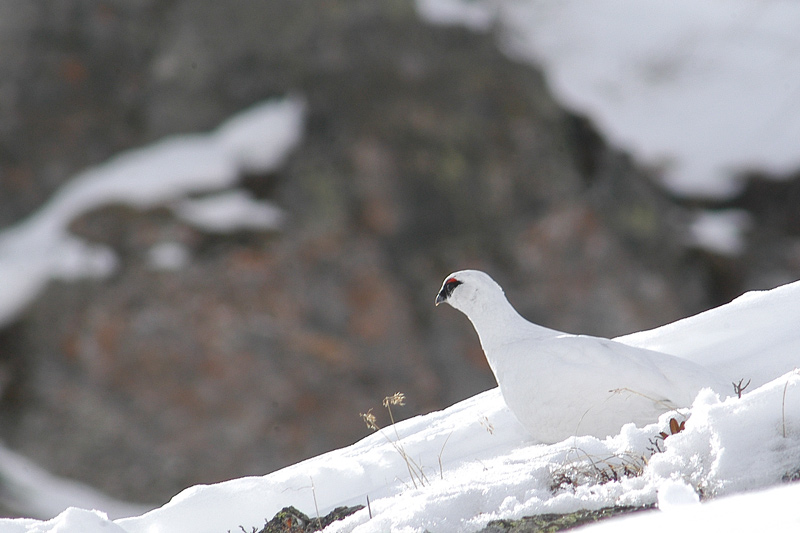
(498, 323)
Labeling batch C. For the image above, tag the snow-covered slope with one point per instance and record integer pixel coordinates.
(479, 464)
(752, 338)
(701, 90)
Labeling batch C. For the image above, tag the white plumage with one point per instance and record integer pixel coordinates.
(560, 385)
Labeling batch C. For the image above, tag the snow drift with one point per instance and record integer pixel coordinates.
(479, 464)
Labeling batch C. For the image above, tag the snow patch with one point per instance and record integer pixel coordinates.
(701, 91)
(477, 16)
(40, 247)
(168, 256)
(229, 211)
(720, 232)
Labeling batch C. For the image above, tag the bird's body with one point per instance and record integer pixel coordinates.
(560, 385)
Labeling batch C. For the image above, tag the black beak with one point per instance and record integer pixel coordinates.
(441, 297)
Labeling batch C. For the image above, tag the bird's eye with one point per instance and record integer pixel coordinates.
(449, 285)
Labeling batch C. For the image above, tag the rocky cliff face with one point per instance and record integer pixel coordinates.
(426, 151)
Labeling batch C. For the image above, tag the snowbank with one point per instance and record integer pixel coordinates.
(480, 465)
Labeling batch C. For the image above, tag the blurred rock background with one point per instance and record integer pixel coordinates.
(426, 151)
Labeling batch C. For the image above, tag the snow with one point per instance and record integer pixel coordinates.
(675, 494)
(27, 486)
(478, 16)
(702, 91)
(479, 464)
(74, 258)
(169, 256)
(758, 324)
(41, 248)
(721, 231)
(759, 511)
(229, 211)
(70, 520)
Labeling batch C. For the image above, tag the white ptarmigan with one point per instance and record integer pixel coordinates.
(560, 385)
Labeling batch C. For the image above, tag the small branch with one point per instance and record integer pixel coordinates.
(783, 408)
(738, 388)
(441, 469)
(795, 372)
(314, 494)
(656, 444)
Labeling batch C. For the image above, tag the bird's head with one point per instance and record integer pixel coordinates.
(467, 289)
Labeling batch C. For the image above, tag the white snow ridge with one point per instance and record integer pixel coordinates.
(492, 468)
